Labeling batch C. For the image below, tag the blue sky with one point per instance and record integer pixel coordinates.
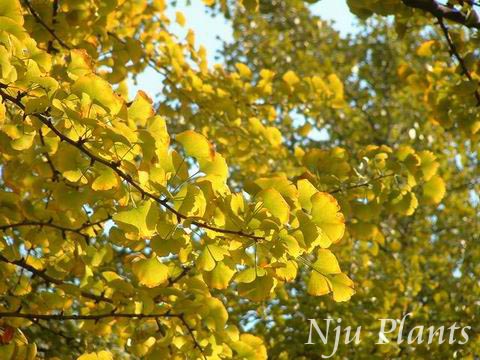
(207, 28)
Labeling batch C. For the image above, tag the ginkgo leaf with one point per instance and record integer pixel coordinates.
(289, 272)
(313, 235)
(429, 164)
(210, 255)
(180, 18)
(291, 78)
(250, 347)
(215, 314)
(106, 180)
(80, 64)
(326, 214)
(219, 277)
(196, 145)
(318, 284)
(434, 190)
(275, 203)
(405, 203)
(327, 262)
(243, 70)
(141, 109)
(102, 355)
(339, 285)
(248, 275)
(99, 91)
(257, 290)
(305, 192)
(142, 219)
(326, 277)
(191, 201)
(425, 49)
(342, 287)
(150, 272)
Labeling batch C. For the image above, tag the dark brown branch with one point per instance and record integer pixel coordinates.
(53, 225)
(96, 317)
(54, 21)
(454, 52)
(55, 172)
(41, 274)
(192, 335)
(123, 175)
(443, 12)
(179, 276)
(46, 27)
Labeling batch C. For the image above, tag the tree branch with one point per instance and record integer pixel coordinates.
(442, 11)
(96, 317)
(53, 225)
(454, 52)
(41, 274)
(192, 335)
(45, 26)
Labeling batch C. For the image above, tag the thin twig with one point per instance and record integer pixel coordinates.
(366, 183)
(41, 22)
(41, 274)
(454, 52)
(96, 317)
(192, 335)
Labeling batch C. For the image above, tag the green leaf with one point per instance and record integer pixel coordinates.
(257, 290)
(250, 5)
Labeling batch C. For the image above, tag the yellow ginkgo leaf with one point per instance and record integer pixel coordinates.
(102, 355)
(250, 347)
(434, 190)
(275, 204)
(327, 216)
(80, 64)
(150, 272)
(106, 180)
(291, 78)
(196, 145)
(210, 256)
(305, 192)
(99, 91)
(180, 18)
(342, 287)
(142, 219)
(219, 277)
(326, 277)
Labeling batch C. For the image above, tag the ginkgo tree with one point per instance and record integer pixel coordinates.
(134, 228)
